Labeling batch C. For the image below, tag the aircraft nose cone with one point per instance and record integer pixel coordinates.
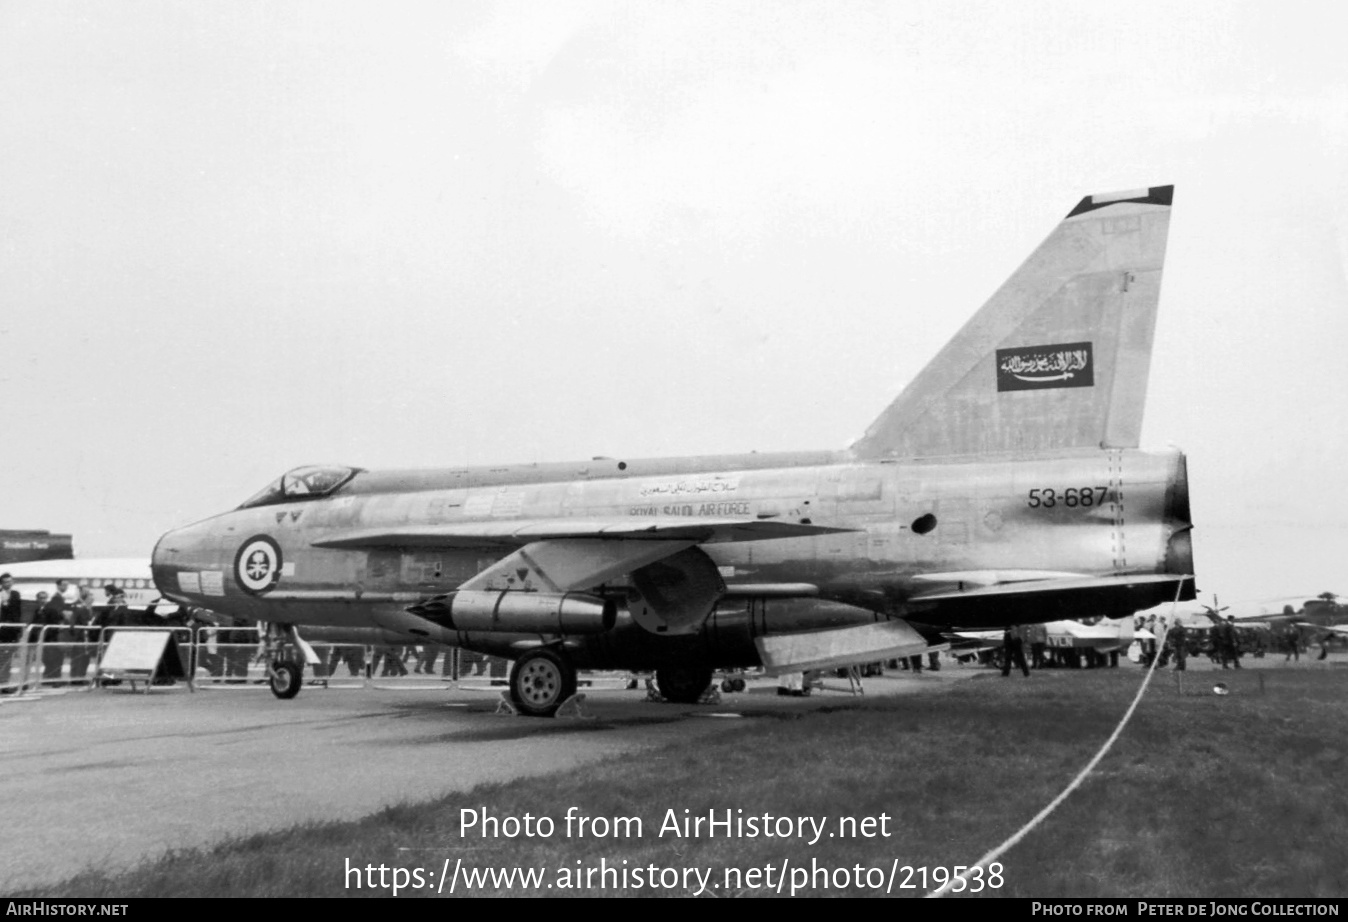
(177, 551)
(160, 567)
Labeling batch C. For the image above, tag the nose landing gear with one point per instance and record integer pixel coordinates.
(285, 655)
(285, 679)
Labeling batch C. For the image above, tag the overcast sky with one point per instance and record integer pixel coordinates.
(239, 237)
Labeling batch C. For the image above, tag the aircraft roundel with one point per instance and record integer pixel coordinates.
(257, 565)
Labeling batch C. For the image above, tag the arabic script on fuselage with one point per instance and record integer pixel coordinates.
(691, 487)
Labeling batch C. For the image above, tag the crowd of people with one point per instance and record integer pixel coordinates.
(1225, 642)
(73, 627)
(391, 661)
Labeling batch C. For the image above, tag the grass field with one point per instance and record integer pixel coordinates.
(1242, 795)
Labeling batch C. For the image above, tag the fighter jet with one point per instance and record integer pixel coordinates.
(1003, 485)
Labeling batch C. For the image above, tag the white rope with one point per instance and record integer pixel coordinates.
(1039, 817)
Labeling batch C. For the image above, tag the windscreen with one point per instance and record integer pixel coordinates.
(310, 482)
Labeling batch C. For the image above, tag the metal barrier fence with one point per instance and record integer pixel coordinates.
(231, 656)
(16, 660)
(63, 657)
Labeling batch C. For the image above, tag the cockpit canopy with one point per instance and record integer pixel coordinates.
(313, 481)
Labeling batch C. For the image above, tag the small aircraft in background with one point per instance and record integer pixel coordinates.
(1004, 485)
(1322, 613)
(1317, 620)
(1275, 622)
(1108, 635)
(18, 545)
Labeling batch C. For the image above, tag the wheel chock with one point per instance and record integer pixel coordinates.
(574, 707)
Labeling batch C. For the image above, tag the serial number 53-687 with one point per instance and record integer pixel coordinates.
(1048, 497)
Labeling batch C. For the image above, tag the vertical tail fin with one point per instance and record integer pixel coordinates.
(1058, 357)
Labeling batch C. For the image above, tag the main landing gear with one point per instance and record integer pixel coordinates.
(682, 685)
(541, 681)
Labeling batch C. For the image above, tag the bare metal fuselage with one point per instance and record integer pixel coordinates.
(912, 528)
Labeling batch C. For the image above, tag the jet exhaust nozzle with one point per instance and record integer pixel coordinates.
(519, 612)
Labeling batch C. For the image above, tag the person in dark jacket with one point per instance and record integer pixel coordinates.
(1177, 643)
(1013, 651)
(51, 615)
(1228, 642)
(115, 615)
(11, 623)
(81, 616)
(240, 643)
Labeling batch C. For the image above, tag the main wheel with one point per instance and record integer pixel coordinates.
(285, 679)
(540, 681)
(682, 685)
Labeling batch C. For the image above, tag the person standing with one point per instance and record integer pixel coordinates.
(11, 624)
(1231, 642)
(1038, 636)
(1293, 638)
(51, 615)
(426, 659)
(81, 616)
(238, 644)
(115, 615)
(393, 661)
(1013, 651)
(1177, 643)
(68, 593)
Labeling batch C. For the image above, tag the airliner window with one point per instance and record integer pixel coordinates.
(302, 483)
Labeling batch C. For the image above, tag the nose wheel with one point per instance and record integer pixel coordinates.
(285, 679)
(285, 655)
(540, 681)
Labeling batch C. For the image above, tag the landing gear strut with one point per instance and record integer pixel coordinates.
(540, 681)
(285, 655)
(683, 685)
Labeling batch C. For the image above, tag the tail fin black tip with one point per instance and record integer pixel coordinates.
(1086, 298)
(1156, 195)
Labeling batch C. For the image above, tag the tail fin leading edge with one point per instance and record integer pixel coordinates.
(1058, 357)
